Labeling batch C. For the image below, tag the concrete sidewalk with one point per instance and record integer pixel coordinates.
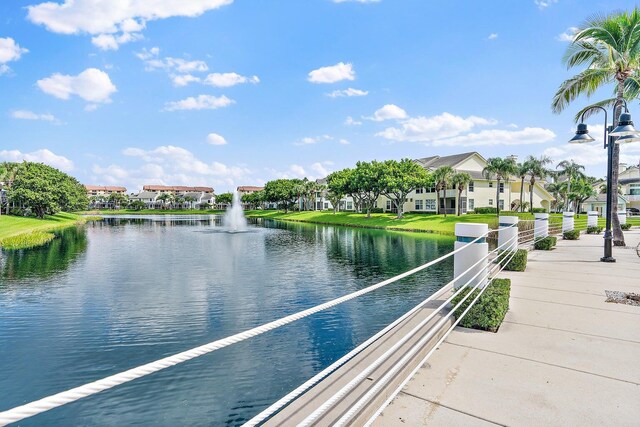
(563, 356)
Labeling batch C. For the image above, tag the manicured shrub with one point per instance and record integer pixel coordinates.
(538, 210)
(377, 210)
(571, 235)
(488, 312)
(545, 243)
(485, 210)
(594, 229)
(517, 262)
(625, 226)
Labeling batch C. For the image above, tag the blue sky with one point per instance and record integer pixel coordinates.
(227, 93)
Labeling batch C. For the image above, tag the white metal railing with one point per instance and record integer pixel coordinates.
(59, 399)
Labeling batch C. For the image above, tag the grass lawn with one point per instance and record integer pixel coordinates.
(430, 223)
(153, 212)
(18, 232)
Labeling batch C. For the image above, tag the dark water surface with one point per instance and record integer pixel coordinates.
(115, 294)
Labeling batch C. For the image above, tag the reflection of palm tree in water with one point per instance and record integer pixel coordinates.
(44, 261)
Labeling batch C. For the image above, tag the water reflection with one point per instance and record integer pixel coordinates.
(144, 288)
(44, 261)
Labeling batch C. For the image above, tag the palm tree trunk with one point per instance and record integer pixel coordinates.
(618, 236)
(521, 194)
(533, 181)
(458, 202)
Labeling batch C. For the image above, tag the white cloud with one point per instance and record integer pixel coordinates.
(312, 172)
(543, 4)
(183, 80)
(201, 102)
(123, 20)
(490, 137)
(310, 140)
(426, 129)
(171, 165)
(388, 112)
(39, 156)
(92, 85)
(492, 36)
(228, 79)
(333, 73)
(9, 51)
(568, 35)
(347, 92)
(30, 115)
(215, 139)
(344, 142)
(350, 121)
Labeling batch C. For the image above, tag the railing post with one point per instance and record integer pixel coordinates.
(567, 221)
(508, 232)
(592, 219)
(473, 252)
(622, 217)
(541, 225)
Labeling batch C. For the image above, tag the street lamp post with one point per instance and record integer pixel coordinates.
(624, 132)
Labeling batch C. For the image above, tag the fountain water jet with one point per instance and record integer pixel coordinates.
(234, 219)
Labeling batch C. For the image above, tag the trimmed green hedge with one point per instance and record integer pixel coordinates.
(626, 226)
(488, 312)
(485, 210)
(594, 229)
(538, 210)
(545, 244)
(516, 263)
(571, 235)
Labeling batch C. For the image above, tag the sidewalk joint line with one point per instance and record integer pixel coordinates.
(576, 305)
(572, 332)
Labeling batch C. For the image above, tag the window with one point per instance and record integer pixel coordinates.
(490, 184)
(430, 204)
(419, 204)
(634, 190)
(349, 206)
(431, 190)
(388, 205)
(470, 203)
(501, 204)
(502, 187)
(490, 202)
(470, 187)
(419, 190)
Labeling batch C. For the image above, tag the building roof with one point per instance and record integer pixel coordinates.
(602, 198)
(144, 195)
(435, 162)
(104, 188)
(249, 188)
(176, 188)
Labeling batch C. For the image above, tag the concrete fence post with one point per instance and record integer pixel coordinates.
(541, 225)
(509, 234)
(622, 217)
(592, 219)
(471, 254)
(567, 221)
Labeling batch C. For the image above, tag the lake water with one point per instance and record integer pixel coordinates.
(111, 295)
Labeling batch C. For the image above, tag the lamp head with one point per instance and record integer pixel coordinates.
(582, 135)
(625, 126)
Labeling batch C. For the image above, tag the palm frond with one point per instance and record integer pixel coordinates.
(584, 83)
(590, 111)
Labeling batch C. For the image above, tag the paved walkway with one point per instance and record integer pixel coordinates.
(563, 356)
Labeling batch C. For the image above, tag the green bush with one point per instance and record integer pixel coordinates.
(545, 243)
(571, 235)
(594, 229)
(516, 263)
(625, 226)
(485, 210)
(488, 312)
(377, 210)
(538, 210)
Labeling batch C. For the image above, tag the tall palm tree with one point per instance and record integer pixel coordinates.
(502, 169)
(609, 47)
(537, 168)
(442, 177)
(522, 172)
(572, 171)
(460, 180)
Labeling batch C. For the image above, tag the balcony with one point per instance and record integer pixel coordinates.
(632, 198)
